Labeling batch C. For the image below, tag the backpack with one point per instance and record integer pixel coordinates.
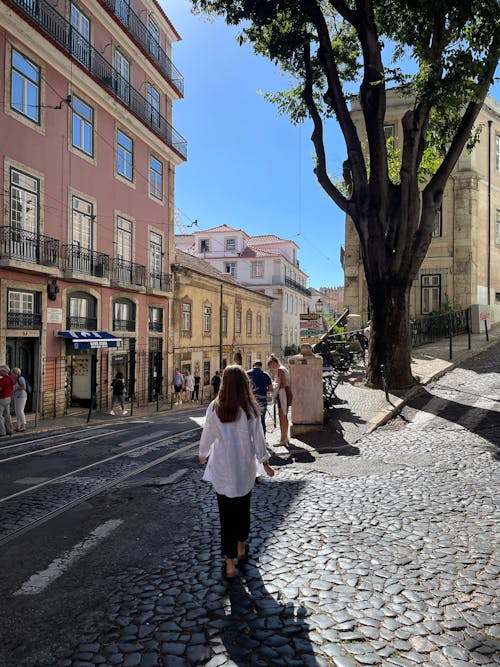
(28, 386)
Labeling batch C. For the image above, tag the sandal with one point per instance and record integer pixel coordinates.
(228, 577)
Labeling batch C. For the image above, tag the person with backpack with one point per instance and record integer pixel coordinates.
(118, 386)
(19, 397)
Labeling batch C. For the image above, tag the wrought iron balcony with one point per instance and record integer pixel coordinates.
(154, 325)
(147, 40)
(83, 260)
(24, 321)
(123, 325)
(297, 286)
(128, 272)
(28, 246)
(55, 25)
(81, 323)
(160, 281)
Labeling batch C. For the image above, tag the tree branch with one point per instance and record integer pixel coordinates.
(317, 135)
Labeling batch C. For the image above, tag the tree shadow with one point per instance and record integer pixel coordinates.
(482, 422)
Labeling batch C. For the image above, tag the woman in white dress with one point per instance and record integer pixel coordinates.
(232, 444)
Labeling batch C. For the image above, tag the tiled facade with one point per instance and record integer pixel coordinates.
(462, 266)
(88, 158)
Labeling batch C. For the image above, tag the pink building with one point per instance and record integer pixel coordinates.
(88, 158)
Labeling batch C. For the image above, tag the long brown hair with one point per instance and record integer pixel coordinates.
(235, 392)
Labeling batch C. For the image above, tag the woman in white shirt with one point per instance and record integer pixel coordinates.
(232, 442)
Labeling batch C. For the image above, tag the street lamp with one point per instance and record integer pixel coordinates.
(319, 306)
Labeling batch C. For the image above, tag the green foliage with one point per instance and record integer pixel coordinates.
(290, 350)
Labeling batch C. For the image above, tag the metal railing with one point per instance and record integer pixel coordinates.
(147, 40)
(128, 272)
(429, 328)
(123, 325)
(24, 320)
(74, 43)
(83, 260)
(297, 286)
(155, 326)
(28, 246)
(81, 323)
(161, 281)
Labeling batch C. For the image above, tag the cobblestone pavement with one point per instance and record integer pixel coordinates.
(383, 558)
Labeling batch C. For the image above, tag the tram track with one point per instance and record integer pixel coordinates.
(27, 509)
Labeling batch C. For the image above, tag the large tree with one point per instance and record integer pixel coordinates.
(335, 48)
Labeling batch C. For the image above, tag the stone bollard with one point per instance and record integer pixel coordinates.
(306, 379)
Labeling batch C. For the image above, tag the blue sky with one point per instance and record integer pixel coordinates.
(247, 166)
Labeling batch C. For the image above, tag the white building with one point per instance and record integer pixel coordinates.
(268, 264)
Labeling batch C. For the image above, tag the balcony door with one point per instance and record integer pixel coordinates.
(82, 235)
(122, 67)
(124, 250)
(80, 36)
(155, 260)
(23, 216)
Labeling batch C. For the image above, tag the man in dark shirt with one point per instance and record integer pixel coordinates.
(216, 380)
(261, 384)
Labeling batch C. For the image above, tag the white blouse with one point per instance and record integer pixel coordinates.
(233, 449)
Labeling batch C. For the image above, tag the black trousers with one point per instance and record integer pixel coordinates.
(234, 515)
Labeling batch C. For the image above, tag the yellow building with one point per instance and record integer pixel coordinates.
(214, 318)
(462, 266)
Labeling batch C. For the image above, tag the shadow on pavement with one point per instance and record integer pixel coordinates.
(257, 620)
(483, 422)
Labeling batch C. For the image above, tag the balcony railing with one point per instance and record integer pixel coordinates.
(128, 272)
(28, 246)
(147, 40)
(83, 260)
(81, 323)
(62, 32)
(155, 326)
(161, 281)
(24, 321)
(297, 286)
(123, 325)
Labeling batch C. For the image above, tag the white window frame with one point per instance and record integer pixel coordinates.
(24, 190)
(82, 126)
(207, 319)
(27, 74)
(124, 155)
(21, 302)
(237, 321)
(430, 293)
(497, 226)
(257, 269)
(230, 244)
(204, 245)
(155, 178)
(249, 322)
(186, 316)
(230, 268)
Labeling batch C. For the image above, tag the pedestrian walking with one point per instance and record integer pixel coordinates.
(188, 386)
(19, 396)
(232, 442)
(118, 397)
(6, 389)
(215, 382)
(282, 395)
(196, 390)
(261, 384)
(178, 384)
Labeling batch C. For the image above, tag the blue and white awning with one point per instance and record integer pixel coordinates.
(90, 340)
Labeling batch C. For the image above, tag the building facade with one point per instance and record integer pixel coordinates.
(462, 266)
(268, 264)
(88, 159)
(214, 317)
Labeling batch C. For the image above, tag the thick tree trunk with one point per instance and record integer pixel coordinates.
(390, 345)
